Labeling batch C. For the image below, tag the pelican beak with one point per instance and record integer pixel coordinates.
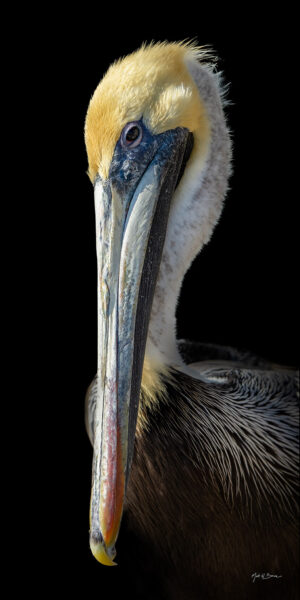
(131, 221)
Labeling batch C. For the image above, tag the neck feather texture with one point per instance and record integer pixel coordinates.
(194, 212)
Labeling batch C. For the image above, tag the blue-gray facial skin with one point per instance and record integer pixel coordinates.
(130, 163)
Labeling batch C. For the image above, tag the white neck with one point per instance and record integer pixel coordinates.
(194, 212)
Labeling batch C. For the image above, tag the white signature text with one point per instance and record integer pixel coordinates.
(256, 576)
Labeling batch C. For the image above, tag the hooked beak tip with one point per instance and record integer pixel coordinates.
(102, 554)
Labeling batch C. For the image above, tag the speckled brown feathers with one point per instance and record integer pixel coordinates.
(206, 542)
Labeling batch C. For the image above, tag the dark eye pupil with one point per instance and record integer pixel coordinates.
(132, 134)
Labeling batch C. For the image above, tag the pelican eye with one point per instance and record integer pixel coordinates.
(131, 135)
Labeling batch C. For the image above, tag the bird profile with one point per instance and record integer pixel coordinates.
(195, 445)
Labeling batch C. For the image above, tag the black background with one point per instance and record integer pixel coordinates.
(240, 291)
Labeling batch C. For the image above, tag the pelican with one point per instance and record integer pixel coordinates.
(195, 443)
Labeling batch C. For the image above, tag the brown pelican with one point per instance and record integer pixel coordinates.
(197, 444)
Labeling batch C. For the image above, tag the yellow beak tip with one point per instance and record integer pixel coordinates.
(102, 555)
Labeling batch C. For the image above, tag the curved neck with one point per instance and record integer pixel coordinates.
(194, 212)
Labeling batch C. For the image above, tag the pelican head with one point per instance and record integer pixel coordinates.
(158, 152)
